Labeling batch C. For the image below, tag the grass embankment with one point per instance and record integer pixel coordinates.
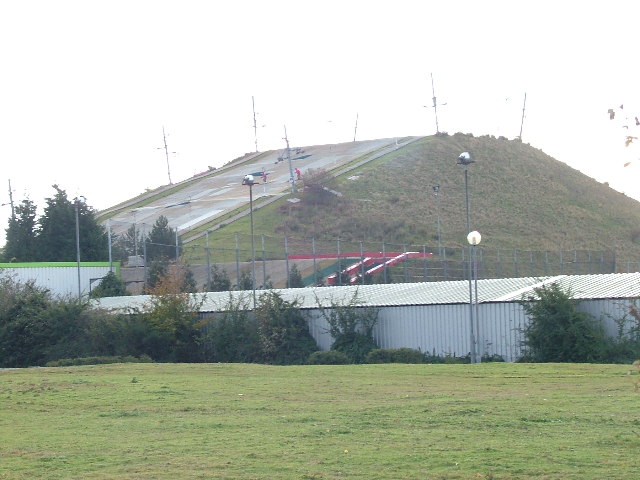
(501, 421)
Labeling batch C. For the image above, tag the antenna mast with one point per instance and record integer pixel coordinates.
(435, 105)
(524, 105)
(355, 130)
(166, 151)
(13, 213)
(255, 126)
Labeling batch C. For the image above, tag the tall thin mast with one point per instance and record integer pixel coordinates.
(435, 104)
(255, 126)
(13, 212)
(294, 189)
(166, 151)
(524, 106)
(355, 130)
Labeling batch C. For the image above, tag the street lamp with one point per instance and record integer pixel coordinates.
(474, 239)
(465, 160)
(250, 182)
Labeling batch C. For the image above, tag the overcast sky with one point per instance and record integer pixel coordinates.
(87, 86)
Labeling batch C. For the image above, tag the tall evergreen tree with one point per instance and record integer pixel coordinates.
(56, 239)
(161, 240)
(21, 233)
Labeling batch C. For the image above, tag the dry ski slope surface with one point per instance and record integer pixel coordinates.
(191, 203)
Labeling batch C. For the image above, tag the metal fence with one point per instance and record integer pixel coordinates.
(320, 261)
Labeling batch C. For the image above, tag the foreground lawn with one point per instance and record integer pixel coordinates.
(166, 421)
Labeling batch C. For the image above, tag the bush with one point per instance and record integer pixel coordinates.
(351, 327)
(395, 355)
(233, 335)
(557, 331)
(283, 331)
(68, 362)
(331, 357)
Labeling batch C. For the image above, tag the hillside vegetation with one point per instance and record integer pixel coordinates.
(520, 198)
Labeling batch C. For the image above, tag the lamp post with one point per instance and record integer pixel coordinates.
(465, 160)
(474, 239)
(77, 202)
(250, 182)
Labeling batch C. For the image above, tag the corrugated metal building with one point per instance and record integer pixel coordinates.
(60, 278)
(434, 316)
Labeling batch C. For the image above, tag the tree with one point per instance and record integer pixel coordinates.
(157, 270)
(557, 331)
(56, 238)
(161, 241)
(173, 317)
(109, 286)
(245, 282)
(295, 277)
(220, 281)
(21, 234)
(35, 328)
(128, 244)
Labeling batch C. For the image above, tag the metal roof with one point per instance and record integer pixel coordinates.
(601, 286)
(582, 287)
(591, 287)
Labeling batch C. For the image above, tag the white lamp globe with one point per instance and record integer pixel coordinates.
(474, 238)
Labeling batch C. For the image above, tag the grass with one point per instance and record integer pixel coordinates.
(520, 198)
(232, 421)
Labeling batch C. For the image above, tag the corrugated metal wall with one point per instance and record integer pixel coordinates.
(444, 329)
(441, 329)
(609, 311)
(61, 281)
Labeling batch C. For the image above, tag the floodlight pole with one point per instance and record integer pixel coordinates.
(77, 204)
(474, 239)
(288, 153)
(465, 160)
(249, 181)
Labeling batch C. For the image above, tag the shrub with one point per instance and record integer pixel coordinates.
(331, 357)
(395, 355)
(283, 330)
(557, 331)
(68, 362)
(351, 327)
(109, 286)
(233, 335)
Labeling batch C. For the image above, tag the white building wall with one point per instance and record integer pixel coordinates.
(610, 312)
(441, 329)
(60, 281)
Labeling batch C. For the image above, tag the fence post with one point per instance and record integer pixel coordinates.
(384, 264)
(208, 259)
(286, 261)
(445, 263)
(264, 265)
(404, 263)
(237, 260)
(424, 261)
(144, 262)
(362, 263)
(315, 269)
(339, 264)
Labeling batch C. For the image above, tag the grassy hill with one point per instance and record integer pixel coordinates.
(520, 198)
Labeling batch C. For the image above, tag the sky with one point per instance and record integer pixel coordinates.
(87, 87)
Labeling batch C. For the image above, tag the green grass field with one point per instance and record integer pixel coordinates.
(232, 421)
